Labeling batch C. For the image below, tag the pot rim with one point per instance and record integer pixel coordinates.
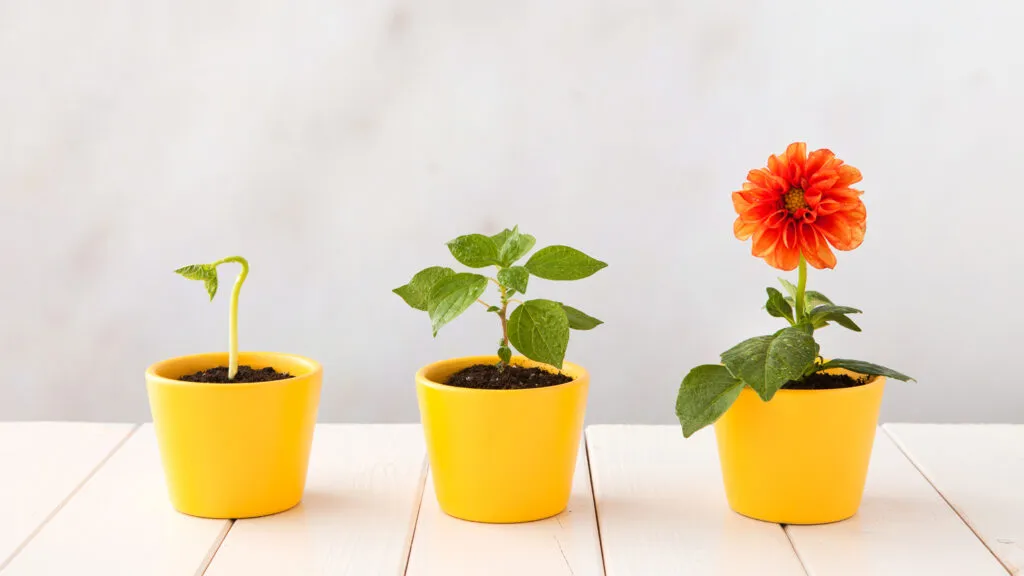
(579, 375)
(154, 373)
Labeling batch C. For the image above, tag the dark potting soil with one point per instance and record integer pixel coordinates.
(245, 375)
(489, 377)
(823, 381)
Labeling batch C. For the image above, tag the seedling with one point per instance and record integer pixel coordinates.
(208, 274)
(538, 329)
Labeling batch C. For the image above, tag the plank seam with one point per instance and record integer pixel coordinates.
(72, 494)
(215, 548)
(906, 454)
(416, 517)
(593, 497)
(799, 558)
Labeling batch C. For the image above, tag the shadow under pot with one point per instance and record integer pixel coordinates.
(801, 458)
(235, 450)
(501, 456)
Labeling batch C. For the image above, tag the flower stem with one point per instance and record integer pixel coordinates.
(233, 313)
(801, 289)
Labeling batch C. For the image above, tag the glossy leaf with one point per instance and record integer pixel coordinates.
(562, 263)
(539, 329)
(765, 363)
(417, 291)
(579, 320)
(866, 368)
(704, 395)
(515, 277)
(452, 296)
(777, 305)
(474, 250)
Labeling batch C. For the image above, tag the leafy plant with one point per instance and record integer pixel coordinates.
(207, 273)
(793, 210)
(538, 328)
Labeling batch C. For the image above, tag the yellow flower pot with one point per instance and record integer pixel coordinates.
(234, 450)
(801, 458)
(501, 455)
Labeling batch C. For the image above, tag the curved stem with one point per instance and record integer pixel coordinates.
(801, 289)
(486, 305)
(233, 313)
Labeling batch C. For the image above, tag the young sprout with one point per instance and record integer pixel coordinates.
(538, 328)
(208, 274)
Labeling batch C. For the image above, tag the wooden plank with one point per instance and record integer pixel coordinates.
(979, 470)
(662, 509)
(44, 463)
(357, 516)
(903, 527)
(121, 523)
(566, 544)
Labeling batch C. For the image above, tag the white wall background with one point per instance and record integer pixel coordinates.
(338, 145)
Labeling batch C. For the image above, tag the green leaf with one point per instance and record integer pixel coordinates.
(493, 309)
(580, 321)
(821, 315)
(474, 250)
(777, 305)
(205, 272)
(765, 363)
(812, 299)
(540, 330)
(512, 245)
(515, 277)
(416, 292)
(846, 323)
(504, 354)
(562, 263)
(452, 296)
(789, 287)
(705, 394)
(865, 368)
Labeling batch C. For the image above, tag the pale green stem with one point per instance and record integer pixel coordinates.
(801, 288)
(233, 313)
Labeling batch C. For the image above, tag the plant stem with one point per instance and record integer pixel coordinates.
(233, 313)
(801, 288)
(502, 315)
(486, 305)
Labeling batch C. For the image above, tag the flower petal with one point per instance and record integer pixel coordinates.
(765, 240)
(815, 249)
(743, 230)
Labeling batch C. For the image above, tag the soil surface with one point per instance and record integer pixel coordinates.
(245, 375)
(823, 381)
(489, 377)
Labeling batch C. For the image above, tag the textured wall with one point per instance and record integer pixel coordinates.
(338, 145)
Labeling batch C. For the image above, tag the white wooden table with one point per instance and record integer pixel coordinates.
(90, 499)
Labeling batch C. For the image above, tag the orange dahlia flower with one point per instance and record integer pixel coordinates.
(800, 204)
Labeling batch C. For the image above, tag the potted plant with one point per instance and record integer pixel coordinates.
(234, 429)
(503, 431)
(794, 430)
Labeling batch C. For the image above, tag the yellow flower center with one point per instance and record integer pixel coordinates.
(794, 200)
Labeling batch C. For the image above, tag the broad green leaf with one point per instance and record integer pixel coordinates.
(504, 354)
(416, 292)
(765, 363)
(562, 263)
(452, 296)
(205, 272)
(845, 322)
(512, 245)
(493, 309)
(540, 330)
(580, 321)
(515, 277)
(865, 368)
(789, 287)
(812, 299)
(825, 313)
(705, 394)
(474, 250)
(777, 305)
